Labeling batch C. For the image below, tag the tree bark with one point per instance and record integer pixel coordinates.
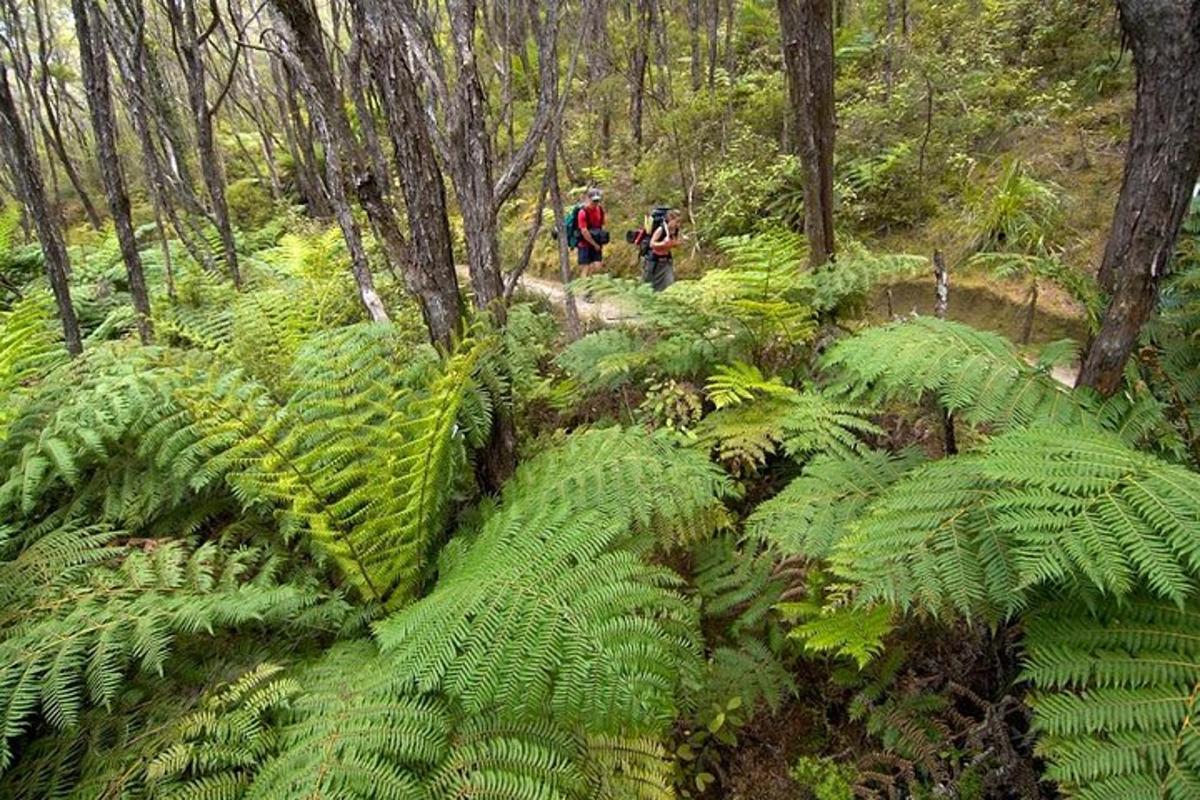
(639, 60)
(712, 13)
(93, 60)
(807, 29)
(191, 44)
(18, 151)
(697, 65)
(345, 163)
(431, 275)
(941, 305)
(1160, 172)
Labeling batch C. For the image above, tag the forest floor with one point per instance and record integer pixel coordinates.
(1047, 326)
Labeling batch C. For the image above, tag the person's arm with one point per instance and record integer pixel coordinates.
(660, 236)
(584, 231)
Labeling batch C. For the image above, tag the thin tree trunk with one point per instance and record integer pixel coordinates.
(191, 44)
(807, 29)
(889, 51)
(431, 275)
(941, 305)
(1160, 172)
(28, 177)
(712, 14)
(1030, 312)
(93, 59)
(638, 63)
(697, 65)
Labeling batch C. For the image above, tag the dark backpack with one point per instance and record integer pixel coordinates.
(641, 237)
(571, 225)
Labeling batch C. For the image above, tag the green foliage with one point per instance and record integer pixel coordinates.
(357, 459)
(595, 636)
(756, 416)
(1116, 699)
(813, 513)
(250, 205)
(825, 778)
(1048, 507)
(1018, 214)
(82, 609)
(29, 347)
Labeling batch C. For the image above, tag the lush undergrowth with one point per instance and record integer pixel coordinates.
(252, 559)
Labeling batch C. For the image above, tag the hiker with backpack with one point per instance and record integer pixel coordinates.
(587, 225)
(658, 269)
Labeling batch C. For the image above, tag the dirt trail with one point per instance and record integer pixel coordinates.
(609, 312)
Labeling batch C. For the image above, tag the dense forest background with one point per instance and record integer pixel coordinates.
(323, 474)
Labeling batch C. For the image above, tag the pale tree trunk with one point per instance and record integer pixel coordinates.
(430, 275)
(93, 60)
(1161, 167)
(18, 151)
(192, 40)
(941, 304)
(345, 164)
(807, 30)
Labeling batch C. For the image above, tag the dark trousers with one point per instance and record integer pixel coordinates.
(658, 271)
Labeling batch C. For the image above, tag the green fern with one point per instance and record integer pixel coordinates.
(548, 611)
(356, 459)
(812, 515)
(82, 610)
(756, 417)
(29, 348)
(1117, 697)
(975, 374)
(1045, 507)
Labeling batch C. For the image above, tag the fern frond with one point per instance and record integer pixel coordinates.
(547, 612)
(975, 374)
(1117, 697)
(1039, 508)
(115, 609)
(811, 515)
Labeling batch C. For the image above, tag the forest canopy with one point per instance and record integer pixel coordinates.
(599, 399)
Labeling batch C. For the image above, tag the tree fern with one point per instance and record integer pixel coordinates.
(356, 459)
(1117, 697)
(546, 612)
(29, 347)
(1045, 507)
(813, 512)
(83, 611)
(976, 374)
(755, 417)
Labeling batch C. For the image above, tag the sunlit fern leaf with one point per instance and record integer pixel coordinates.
(1045, 507)
(604, 359)
(594, 635)
(855, 633)
(126, 607)
(30, 346)
(1117, 697)
(811, 515)
(352, 733)
(358, 459)
(756, 417)
(976, 374)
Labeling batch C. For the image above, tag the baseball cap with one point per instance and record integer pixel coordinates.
(595, 194)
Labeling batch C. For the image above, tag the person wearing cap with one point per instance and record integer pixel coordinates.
(591, 221)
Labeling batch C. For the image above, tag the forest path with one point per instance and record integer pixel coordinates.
(608, 312)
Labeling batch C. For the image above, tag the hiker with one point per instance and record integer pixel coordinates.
(659, 269)
(592, 236)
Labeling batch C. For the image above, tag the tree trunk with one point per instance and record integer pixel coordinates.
(697, 64)
(28, 177)
(889, 51)
(1030, 313)
(191, 45)
(712, 15)
(941, 305)
(637, 69)
(1160, 172)
(345, 163)
(807, 29)
(432, 277)
(93, 60)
